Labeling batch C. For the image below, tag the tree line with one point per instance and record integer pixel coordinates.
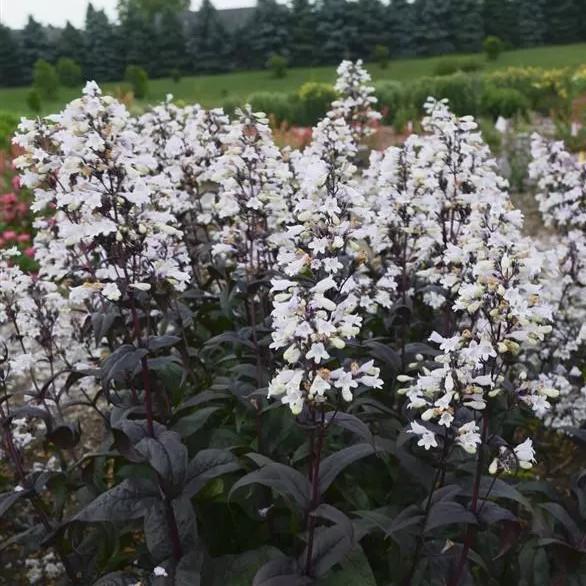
(157, 36)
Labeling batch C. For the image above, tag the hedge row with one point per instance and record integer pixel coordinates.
(509, 92)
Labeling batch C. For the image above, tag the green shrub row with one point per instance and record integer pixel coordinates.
(508, 93)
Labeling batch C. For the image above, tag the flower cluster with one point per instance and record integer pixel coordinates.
(561, 192)
(318, 304)
(107, 215)
(357, 100)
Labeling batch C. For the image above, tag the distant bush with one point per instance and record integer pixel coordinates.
(45, 79)
(463, 90)
(281, 105)
(314, 101)
(69, 72)
(391, 97)
(33, 101)
(493, 47)
(470, 64)
(176, 75)
(546, 90)
(403, 116)
(229, 105)
(451, 65)
(277, 65)
(138, 79)
(506, 102)
(8, 124)
(446, 66)
(380, 55)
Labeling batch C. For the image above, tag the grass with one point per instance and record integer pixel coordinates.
(213, 90)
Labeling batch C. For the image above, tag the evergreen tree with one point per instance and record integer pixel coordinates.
(137, 32)
(434, 31)
(531, 19)
(35, 46)
(10, 67)
(401, 27)
(99, 62)
(563, 21)
(500, 20)
(150, 8)
(170, 43)
(581, 8)
(302, 34)
(269, 31)
(208, 44)
(467, 25)
(70, 43)
(336, 30)
(369, 17)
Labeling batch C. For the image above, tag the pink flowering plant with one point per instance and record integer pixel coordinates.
(237, 364)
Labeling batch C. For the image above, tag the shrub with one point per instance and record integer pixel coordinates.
(380, 55)
(504, 102)
(45, 79)
(176, 75)
(463, 90)
(403, 116)
(446, 66)
(281, 105)
(493, 47)
(470, 64)
(449, 66)
(545, 89)
(391, 96)
(314, 101)
(277, 65)
(69, 72)
(8, 124)
(138, 79)
(33, 100)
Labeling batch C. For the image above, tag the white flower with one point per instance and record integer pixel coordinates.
(317, 353)
(111, 292)
(525, 454)
(426, 437)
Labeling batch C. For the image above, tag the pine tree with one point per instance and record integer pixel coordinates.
(369, 17)
(269, 31)
(434, 29)
(563, 21)
(100, 50)
(35, 46)
(137, 31)
(71, 43)
(531, 19)
(336, 30)
(468, 26)
(302, 34)
(401, 27)
(10, 67)
(500, 20)
(208, 45)
(150, 8)
(170, 43)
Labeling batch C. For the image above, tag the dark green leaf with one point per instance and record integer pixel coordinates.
(334, 464)
(190, 424)
(207, 465)
(128, 500)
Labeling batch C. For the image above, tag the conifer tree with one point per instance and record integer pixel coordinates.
(208, 44)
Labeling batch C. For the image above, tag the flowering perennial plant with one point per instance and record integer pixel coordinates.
(193, 278)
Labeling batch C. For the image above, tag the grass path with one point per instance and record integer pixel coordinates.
(211, 90)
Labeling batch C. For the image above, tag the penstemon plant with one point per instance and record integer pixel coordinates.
(237, 364)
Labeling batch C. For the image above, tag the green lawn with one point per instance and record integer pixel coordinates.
(211, 90)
